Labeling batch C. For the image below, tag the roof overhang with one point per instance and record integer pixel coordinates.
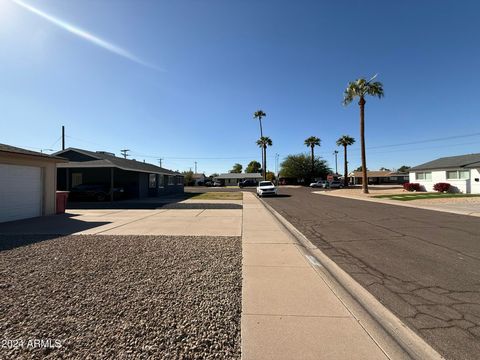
(40, 157)
(98, 164)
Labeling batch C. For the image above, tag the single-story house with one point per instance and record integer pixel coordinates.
(28, 183)
(138, 179)
(199, 179)
(232, 179)
(379, 178)
(461, 172)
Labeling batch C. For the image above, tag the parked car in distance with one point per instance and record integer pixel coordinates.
(336, 184)
(217, 184)
(319, 184)
(97, 192)
(248, 182)
(266, 188)
(208, 183)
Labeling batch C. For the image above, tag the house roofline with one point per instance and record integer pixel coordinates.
(85, 165)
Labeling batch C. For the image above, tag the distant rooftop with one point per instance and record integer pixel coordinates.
(239, 176)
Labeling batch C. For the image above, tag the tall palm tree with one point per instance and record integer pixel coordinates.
(262, 143)
(311, 142)
(345, 141)
(361, 88)
(259, 114)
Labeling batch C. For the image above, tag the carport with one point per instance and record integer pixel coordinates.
(138, 179)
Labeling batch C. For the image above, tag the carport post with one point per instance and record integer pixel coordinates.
(111, 184)
(67, 176)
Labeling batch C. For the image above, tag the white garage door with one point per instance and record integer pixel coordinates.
(20, 192)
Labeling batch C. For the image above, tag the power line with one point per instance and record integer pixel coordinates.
(425, 141)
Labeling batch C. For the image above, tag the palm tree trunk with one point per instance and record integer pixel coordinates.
(362, 143)
(313, 162)
(345, 166)
(261, 136)
(265, 163)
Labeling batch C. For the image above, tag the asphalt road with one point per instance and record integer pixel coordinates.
(423, 265)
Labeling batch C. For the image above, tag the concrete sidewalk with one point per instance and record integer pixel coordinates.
(288, 310)
(184, 222)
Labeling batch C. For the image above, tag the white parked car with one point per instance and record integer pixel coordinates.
(318, 184)
(266, 188)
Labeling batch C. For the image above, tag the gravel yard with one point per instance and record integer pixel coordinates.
(155, 297)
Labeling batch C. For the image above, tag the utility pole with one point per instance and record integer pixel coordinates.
(276, 167)
(195, 167)
(63, 137)
(336, 163)
(160, 161)
(125, 152)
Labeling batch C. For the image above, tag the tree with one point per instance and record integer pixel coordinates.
(311, 142)
(213, 175)
(298, 166)
(404, 168)
(384, 169)
(253, 167)
(270, 176)
(237, 169)
(360, 168)
(259, 114)
(188, 178)
(345, 141)
(361, 88)
(263, 142)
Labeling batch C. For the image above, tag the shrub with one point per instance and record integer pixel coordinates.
(441, 187)
(411, 186)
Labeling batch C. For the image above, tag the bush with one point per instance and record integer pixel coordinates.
(441, 187)
(411, 186)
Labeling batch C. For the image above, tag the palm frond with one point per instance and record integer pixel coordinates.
(345, 140)
(360, 88)
(259, 114)
(312, 141)
(264, 141)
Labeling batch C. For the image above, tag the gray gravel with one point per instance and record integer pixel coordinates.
(149, 297)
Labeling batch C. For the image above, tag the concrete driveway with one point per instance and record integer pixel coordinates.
(192, 219)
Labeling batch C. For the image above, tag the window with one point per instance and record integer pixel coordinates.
(458, 174)
(423, 176)
(171, 180)
(152, 181)
(160, 181)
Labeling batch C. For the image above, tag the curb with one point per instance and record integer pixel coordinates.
(406, 338)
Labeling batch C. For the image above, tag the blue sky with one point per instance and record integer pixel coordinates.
(180, 80)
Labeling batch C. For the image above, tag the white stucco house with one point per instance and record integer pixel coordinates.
(232, 179)
(461, 172)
